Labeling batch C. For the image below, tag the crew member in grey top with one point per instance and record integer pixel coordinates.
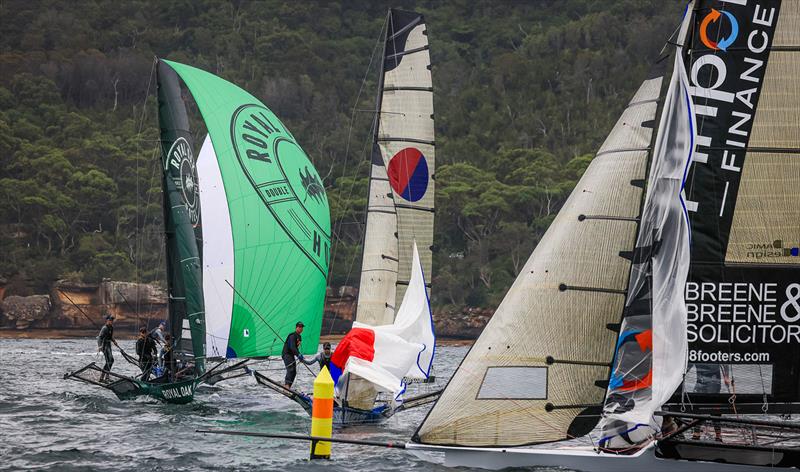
(323, 358)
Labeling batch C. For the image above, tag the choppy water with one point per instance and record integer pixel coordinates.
(47, 423)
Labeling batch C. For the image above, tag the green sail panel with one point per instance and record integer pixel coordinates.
(279, 220)
(181, 221)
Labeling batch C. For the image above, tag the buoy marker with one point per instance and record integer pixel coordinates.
(322, 415)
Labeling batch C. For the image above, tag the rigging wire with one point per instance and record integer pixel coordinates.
(336, 231)
(347, 144)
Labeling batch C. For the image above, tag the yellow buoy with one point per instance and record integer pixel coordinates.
(322, 414)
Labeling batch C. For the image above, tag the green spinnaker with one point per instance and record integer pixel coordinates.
(279, 218)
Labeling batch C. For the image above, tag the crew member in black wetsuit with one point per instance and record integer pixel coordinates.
(291, 350)
(104, 340)
(323, 358)
(168, 358)
(146, 350)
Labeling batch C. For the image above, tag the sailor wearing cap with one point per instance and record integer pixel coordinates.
(104, 340)
(291, 350)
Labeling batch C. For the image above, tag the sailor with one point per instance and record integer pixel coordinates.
(146, 350)
(159, 335)
(708, 381)
(291, 350)
(104, 340)
(323, 358)
(167, 355)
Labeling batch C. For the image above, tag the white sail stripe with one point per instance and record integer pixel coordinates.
(218, 262)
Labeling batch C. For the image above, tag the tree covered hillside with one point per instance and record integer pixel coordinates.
(524, 93)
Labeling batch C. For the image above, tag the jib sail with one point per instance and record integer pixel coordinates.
(743, 293)
(267, 234)
(400, 206)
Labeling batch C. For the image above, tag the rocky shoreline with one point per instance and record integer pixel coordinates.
(73, 309)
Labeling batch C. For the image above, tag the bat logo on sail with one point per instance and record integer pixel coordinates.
(714, 17)
(408, 174)
(312, 185)
(181, 167)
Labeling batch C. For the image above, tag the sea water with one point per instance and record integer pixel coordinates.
(48, 423)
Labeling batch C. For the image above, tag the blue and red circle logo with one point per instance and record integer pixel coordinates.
(408, 174)
(715, 16)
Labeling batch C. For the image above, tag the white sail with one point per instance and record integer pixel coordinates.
(403, 349)
(651, 349)
(400, 207)
(217, 251)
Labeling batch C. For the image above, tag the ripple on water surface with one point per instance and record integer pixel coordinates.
(51, 424)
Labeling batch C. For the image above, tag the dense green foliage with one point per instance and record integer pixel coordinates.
(524, 94)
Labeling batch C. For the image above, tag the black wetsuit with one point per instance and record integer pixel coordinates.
(290, 352)
(104, 340)
(146, 350)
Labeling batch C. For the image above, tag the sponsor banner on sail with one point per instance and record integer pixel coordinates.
(726, 77)
(743, 191)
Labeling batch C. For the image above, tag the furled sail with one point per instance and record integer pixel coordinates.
(182, 221)
(743, 293)
(538, 371)
(267, 234)
(401, 188)
(650, 352)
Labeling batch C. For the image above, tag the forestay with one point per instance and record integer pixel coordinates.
(538, 371)
(267, 237)
(401, 189)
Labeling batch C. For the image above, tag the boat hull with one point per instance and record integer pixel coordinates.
(128, 388)
(583, 459)
(176, 393)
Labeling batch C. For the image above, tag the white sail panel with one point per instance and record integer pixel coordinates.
(651, 349)
(402, 349)
(406, 128)
(572, 288)
(376, 296)
(217, 252)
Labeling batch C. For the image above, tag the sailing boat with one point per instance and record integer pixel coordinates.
(259, 262)
(398, 239)
(555, 359)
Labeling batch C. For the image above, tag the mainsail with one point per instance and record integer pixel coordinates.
(400, 206)
(182, 223)
(743, 293)
(266, 237)
(538, 371)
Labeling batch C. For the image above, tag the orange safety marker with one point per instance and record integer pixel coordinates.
(322, 414)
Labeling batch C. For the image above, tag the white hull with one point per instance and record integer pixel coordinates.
(577, 458)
